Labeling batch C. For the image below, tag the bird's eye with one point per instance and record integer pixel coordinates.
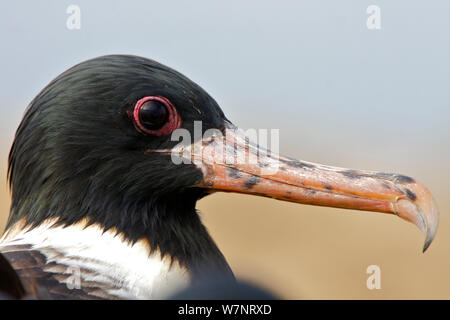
(153, 115)
(156, 115)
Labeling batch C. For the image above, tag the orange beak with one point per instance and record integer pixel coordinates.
(231, 163)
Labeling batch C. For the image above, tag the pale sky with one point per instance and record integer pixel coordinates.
(311, 68)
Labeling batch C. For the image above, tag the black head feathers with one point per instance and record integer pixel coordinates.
(79, 154)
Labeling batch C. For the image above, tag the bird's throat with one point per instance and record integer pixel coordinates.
(170, 229)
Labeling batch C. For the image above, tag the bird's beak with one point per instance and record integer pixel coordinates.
(231, 163)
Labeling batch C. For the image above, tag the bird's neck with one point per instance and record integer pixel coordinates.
(168, 230)
(83, 256)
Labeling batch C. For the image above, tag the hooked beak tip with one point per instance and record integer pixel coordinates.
(422, 211)
(431, 226)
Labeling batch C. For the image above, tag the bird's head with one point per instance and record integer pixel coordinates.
(98, 143)
(83, 148)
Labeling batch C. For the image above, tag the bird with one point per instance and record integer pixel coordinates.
(106, 168)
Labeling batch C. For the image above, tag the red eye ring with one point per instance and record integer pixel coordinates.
(173, 122)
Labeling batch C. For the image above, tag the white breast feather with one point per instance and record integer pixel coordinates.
(131, 268)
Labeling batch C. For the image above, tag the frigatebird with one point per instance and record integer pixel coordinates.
(103, 196)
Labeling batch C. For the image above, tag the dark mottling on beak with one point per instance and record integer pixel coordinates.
(411, 195)
(298, 164)
(404, 179)
(352, 174)
(251, 181)
(396, 177)
(327, 186)
(385, 175)
(260, 194)
(232, 173)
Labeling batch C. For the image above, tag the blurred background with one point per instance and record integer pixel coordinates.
(340, 94)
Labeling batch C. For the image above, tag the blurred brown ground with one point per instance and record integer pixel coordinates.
(306, 252)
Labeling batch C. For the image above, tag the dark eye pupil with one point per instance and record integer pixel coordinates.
(153, 115)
